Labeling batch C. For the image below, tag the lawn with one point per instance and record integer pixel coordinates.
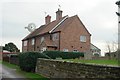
(30, 75)
(0, 61)
(105, 62)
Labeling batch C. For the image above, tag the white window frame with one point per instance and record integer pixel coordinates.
(42, 39)
(83, 38)
(33, 41)
(25, 43)
(55, 36)
(43, 49)
(75, 50)
(65, 50)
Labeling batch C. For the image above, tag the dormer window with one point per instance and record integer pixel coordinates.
(55, 37)
(83, 38)
(33, 41)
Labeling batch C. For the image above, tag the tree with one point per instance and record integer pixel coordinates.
(112, 46)
(11, 47)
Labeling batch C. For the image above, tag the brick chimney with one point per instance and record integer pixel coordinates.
(47, 19)
(59, 14)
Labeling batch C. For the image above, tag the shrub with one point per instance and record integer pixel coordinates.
(27, 60)
(63, 55)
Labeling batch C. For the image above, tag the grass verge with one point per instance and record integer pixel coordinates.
(29, 75)
(0, 61)
(105, 62)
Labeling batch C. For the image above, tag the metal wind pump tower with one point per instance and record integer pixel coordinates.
(118, 13)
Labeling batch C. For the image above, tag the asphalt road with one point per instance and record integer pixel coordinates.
(7, 73)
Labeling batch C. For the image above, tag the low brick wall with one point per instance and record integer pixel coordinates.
(60, 69)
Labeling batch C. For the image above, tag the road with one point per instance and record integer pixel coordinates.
(7, 73)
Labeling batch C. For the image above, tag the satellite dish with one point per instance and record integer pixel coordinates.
(31, 27)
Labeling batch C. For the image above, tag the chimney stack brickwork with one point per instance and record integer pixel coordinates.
(59, 14)
(47, 19)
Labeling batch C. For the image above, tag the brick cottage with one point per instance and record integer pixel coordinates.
(63, 34)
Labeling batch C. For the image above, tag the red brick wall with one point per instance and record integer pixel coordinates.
(30, 46)
(37, 43)
(24, 48)
(70, 37)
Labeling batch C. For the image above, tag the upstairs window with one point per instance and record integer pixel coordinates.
(83, 38)
(33, 41)
(55, 37)
(42, 39)
(25, 43)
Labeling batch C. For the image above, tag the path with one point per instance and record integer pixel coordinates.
(9, 74)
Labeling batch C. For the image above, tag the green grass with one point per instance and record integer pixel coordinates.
(30, 75)
(0, 61)
(10, 65)
(105, 62)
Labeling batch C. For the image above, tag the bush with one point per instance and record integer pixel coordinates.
(27, 60)
(63, 55)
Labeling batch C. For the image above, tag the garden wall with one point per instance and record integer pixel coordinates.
(60, 69)
(14, 60)
(11, 58)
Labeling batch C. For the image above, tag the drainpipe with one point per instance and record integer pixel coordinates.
(34, 43)
(59, 41)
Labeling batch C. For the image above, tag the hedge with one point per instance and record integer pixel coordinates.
(27, 60)
(63, 55)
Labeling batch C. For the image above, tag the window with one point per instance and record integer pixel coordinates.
(33, 41)
(43, 49)
(75, 50)
(83, 38)
(42, 39)
(65, 50)
(25, 43)
(55, 37)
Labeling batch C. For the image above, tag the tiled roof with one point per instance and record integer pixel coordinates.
(35, 32)
(43, 29)
(64, 24)
(48, 27)
(94, 47)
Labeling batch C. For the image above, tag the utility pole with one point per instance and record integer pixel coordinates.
(118, 14)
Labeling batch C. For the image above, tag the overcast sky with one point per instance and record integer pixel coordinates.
(97, 15)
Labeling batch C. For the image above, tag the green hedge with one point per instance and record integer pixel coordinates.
(63, 55)
(27, 60)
